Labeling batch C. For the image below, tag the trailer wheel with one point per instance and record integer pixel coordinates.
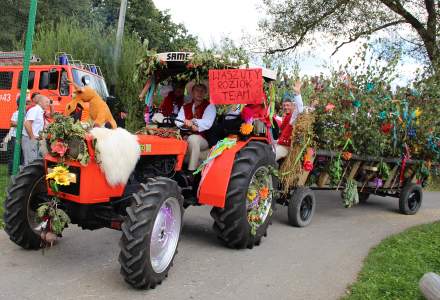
(363, 197)
(410, 199)
(302, 207)
(150, 233)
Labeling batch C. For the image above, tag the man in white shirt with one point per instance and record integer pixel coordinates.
(198, 117)
(33, 125)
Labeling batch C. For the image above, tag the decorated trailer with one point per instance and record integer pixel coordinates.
(358, 177)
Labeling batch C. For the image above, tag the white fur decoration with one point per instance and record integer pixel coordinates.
(118, 153)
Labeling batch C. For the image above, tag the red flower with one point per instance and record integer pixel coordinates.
(386, 128)
(346, 125)
(59, 147)
(347, 155)
(329, 107)
(308, 166)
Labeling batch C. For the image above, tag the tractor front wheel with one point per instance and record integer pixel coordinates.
(25, 193)
(151, 232)
(249, 200)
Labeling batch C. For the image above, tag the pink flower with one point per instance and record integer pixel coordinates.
(329, 107)
(59, 147)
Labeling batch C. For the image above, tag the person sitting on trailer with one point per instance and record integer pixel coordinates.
(292, 107)
(198, 117)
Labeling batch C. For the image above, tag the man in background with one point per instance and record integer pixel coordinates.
(292, 107)
(33, 125)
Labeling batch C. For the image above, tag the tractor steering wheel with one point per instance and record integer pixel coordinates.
(170, 122)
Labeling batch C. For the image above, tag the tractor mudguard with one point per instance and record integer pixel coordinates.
(215, 176)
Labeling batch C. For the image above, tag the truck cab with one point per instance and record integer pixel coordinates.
(49, 80)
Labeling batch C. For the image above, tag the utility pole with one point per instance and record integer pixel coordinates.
(120, 33)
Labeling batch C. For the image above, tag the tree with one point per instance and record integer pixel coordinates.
(293, 23)
(148, 22)
(80, 41)
(15, 17)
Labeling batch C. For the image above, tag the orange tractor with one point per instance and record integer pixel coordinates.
(149, 209)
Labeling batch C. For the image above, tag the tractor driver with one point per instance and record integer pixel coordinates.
(292, 107)
(198, 117)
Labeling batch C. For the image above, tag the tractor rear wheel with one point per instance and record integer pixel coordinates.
(235, 223)
(26, 191)
(150, 233)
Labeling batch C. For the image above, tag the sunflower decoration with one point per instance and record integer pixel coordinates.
(60, 175)
(246, 128)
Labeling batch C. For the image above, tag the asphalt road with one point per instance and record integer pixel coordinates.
(316, 262)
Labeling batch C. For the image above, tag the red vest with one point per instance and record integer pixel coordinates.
(167, 105)
(286, 132)
(198, 110)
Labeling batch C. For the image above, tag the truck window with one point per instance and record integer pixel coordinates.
(30, 80)
(96, 82)
(6, 80)
(64, 84)
(48, 80)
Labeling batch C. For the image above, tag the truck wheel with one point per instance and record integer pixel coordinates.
(151, 232)
(234, 223)
(302, 207)
(410, 199)
(26, 191)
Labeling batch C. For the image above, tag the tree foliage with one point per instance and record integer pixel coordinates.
(148, 22)
(72, 37)
(15, 17)
(142, 18)
(293, 23)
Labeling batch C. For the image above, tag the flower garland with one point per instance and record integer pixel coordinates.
(350, 194)
(197, 66)
(53, 219)
(66, 139)
(259, 199)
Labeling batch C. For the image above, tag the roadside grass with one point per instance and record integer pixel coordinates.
(434, 184)
(392, 269)
(4, 180)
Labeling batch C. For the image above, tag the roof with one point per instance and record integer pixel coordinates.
(177, 59)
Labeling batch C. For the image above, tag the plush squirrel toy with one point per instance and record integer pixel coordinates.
(99, 112)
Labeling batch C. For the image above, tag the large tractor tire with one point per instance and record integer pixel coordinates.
(410, 199)
(26, 191)
(151, 232)
(231, 222)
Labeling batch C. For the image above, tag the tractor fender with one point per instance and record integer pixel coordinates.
(215, 176)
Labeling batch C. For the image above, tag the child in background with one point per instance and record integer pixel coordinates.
(11, 142)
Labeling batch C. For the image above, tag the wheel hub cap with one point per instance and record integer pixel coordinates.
(165, 234)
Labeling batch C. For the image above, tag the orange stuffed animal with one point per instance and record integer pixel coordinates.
(99, 112)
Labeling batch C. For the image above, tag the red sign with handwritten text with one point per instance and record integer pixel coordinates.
(236, 86)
